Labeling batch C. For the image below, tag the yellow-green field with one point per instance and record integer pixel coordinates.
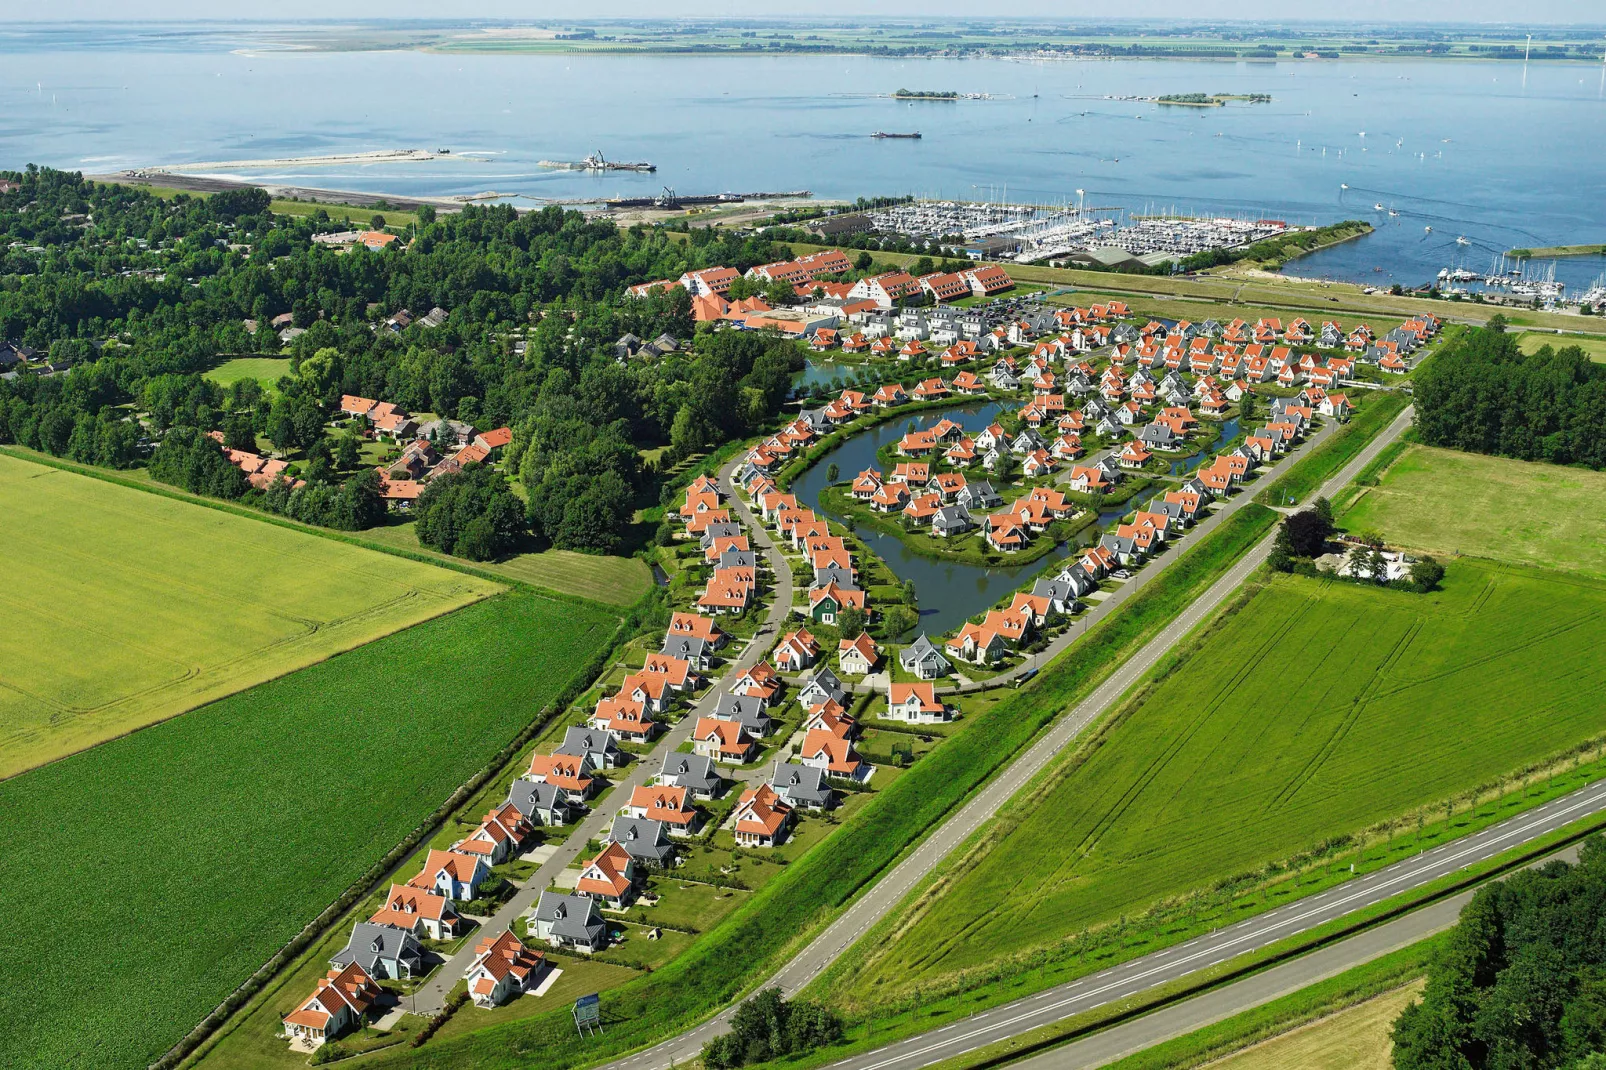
(615, 581)
(265, 370)
(1592, 344)
(1356, 1038)
(1525, 512)
(127, 608)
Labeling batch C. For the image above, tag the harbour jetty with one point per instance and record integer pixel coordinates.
(670, 199)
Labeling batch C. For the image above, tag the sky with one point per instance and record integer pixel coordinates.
(1531, 11)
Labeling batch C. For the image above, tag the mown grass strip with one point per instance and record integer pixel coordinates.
(789, 909)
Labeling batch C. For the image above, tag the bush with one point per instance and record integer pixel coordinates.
(768, 1027)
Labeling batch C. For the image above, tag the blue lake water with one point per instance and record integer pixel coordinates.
(1469, 149)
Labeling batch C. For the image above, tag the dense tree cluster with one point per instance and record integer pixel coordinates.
(471, 513)
(1484, 395)
(143, 294)
(1521, 983)
(768, 1027)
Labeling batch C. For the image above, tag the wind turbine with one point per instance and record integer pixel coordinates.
(1526, 49)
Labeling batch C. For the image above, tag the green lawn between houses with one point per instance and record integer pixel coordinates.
(149, 876)
(128, 607)
(1316, 709)
(1524, 512)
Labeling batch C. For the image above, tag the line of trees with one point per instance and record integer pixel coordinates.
(1482, 394)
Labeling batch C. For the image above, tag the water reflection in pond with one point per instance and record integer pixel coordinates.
(949, 591)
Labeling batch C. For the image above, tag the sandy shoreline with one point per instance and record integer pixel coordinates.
(333, 160)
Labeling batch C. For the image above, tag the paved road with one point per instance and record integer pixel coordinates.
(1145, 575)
(891, 889)
(1140, 578)
(1140, 975)
(432, 995)
(1179, 1019)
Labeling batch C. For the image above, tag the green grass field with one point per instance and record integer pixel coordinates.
(617, 581)
(1315, 710)
(131, 607)
(151, 875)
(1593, 345)
(1524, 512)
(265, 370)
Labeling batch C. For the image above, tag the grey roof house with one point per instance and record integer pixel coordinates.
(384, 952)
(541, 803)
(822, 686)
(923, 659)
(747, 709)
(645, 840)
(694, 772)
(571, 921)
(802, 785)
(593, 744)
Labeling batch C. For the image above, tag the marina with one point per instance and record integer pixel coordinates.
(1516, 280)
(1033, 232)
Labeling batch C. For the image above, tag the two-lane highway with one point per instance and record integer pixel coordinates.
(885, 894)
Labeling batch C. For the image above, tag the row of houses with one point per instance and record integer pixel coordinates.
(389, 945)
(823, 302)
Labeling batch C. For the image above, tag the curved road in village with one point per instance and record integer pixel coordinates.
(431, 995)
(1149, 971)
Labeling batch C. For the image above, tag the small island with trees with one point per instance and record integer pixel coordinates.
(1211, 100)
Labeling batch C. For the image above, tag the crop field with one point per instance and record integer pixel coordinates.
(617, 581)
(1523, 512)
(1592, 344)
(265, 370)
(131, 607)
(171, 863)
(1316, 709)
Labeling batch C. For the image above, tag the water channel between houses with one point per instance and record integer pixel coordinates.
(952, 591)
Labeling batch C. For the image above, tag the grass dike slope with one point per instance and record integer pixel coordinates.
(132, 607)
(149, 876)
(1316, 709)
